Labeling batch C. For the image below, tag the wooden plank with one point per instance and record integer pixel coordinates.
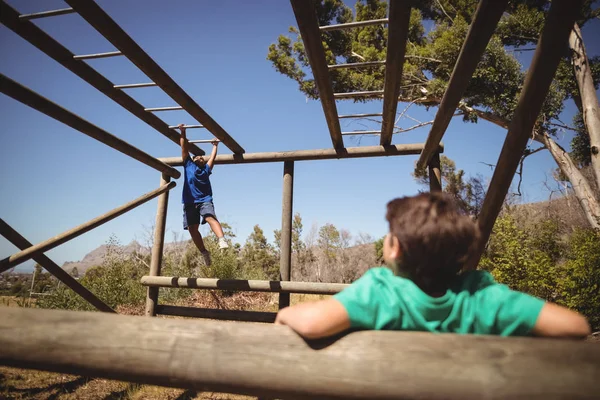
(249, 358)
(64, 237)
(317, 154)
(549, 50)
(244, 285)
(157, 246)
(53, 110)
(108, 28)
(15, 238)
(306, 16)
(210, 313)
(399, 17)
(34, 35)
(481, 30)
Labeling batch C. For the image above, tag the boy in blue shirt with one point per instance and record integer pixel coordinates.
(197, 196)
(428, 243)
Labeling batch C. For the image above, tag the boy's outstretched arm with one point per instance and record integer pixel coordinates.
(213, 154)
(315, 319)
(183, 143)
(557, 321)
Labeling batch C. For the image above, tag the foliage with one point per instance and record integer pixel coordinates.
(259, 255)
(468, 193)
(580, 283)
(329, 241)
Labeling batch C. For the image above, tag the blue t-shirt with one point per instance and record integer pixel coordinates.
(474, 303)
(196, 183)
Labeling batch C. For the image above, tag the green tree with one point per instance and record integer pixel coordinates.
(580, 282)
(329, 241)
(259, 255)
(493, 90)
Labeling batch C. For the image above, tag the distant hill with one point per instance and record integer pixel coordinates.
(96, 256)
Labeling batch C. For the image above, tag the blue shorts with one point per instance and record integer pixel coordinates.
(192, 213)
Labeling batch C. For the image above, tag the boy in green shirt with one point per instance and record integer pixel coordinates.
(428, 244)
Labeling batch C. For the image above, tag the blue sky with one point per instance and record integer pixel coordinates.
(55, 178)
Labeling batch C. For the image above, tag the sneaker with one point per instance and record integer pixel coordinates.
(223, 244)
(206, 256)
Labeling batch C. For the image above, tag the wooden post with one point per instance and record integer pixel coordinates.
(285, 263)
(158, 246)
(435, 174)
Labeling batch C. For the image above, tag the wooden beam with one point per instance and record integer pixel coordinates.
(399, 17)
(249, 358)
(306, 16)
(34, 35)
(15, 238)
(210, 313)
(243, 285)
(550, 48)
(357, 65)
(64, 237)
(318, 154)
(481, 30)
(157, 246)
(37, 102)
(356, 24)
(108, 28)
(435, 174)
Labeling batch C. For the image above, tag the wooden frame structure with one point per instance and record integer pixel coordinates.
(455, 382)
(272, 362)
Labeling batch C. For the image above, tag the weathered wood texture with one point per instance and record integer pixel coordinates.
(287, 206)
(435, 174)
(108, 28)
(34, 35)
(249, 358)
(157, 246)
(399, 16)
(484, 23)
(15, 238)
(244, 285)
(211, 313)
(306, 16)
(43, 105)
(51, 243)
(587, 93)
(549, 50)
(318, 154)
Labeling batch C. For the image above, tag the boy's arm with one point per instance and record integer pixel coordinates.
(315, 319)
(213, 155)
(184, 144)
(557, 321)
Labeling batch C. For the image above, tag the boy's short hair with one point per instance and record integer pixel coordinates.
(436, 238)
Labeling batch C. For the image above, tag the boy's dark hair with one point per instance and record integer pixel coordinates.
(436, 238)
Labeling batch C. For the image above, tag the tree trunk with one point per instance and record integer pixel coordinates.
(583, 191)
(587, 92)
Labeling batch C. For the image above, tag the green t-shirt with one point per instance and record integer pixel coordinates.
(474, 303)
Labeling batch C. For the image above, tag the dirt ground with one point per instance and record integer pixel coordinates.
(20, 384)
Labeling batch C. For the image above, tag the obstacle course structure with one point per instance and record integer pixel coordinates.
(182, 354)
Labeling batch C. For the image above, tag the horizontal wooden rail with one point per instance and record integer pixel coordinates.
(49, 244)
(249, 359)
(211, 313)
(37, 102)
(15, 238)
(358, 65)
(318, 154)
(244, 285)
(135, 86)
(98, 55)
